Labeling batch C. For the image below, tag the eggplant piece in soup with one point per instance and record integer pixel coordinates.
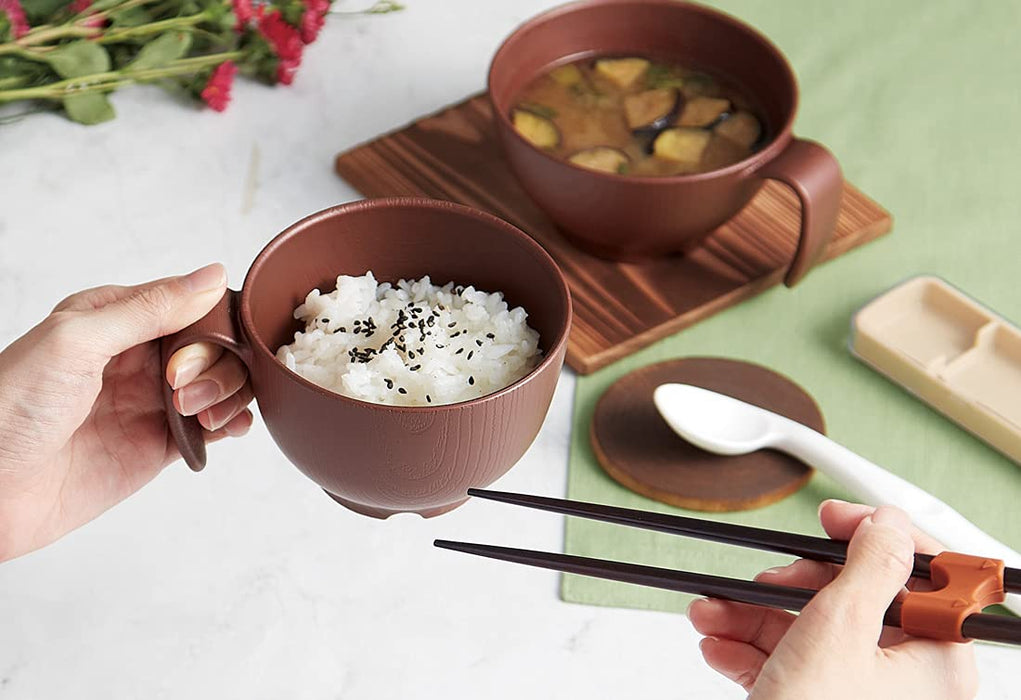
(703, 111)
(538, 131)
(602, 158)
(652, 110)
(681, 145)
(567, 75)
(742, 128)
(622, 72)
(638, 116)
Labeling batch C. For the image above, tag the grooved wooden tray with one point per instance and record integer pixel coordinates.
(618, 307)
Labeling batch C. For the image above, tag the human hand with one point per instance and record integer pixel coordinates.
(82, 420)
(837, 647)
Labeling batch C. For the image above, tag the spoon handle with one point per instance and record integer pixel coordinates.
(876, 486)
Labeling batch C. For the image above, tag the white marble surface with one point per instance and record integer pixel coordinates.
(245, 580)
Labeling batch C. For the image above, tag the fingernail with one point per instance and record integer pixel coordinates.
(773, 571)
(187, 370)
(206, 278)
(822, 505)
(195, 397)
(887, 515)
(240, 425)
(219, 414)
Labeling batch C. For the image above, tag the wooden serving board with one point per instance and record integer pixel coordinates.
(618, 307)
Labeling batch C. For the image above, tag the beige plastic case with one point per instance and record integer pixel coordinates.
(951, 352)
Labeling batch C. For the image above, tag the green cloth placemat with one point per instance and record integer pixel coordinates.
(921, 103)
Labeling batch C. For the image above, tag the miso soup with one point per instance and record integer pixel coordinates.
(635, 116)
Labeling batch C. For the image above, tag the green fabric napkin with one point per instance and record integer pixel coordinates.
(920, 102)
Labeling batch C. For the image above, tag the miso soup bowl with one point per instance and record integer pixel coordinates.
(377, 459)
(625, 217)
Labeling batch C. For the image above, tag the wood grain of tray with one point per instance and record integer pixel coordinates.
(619, 307)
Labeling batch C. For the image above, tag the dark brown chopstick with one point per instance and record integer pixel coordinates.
(992, 628)
(806, 546)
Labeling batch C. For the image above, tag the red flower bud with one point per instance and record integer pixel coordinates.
(243, 12)
(16, 17)
(79, 6)
(216, 93)
(286, 43)
(313, 19)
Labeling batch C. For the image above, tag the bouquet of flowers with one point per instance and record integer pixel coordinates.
(71, 53)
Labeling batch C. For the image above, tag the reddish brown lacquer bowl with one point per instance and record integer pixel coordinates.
(380, 460)
(626, 217)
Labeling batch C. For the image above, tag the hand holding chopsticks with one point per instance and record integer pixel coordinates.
(836, 648)
(974, 582)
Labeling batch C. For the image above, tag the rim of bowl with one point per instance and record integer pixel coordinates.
(754, 160)
(257, 344)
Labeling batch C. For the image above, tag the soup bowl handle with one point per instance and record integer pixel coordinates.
(222, 327)
(814, 175)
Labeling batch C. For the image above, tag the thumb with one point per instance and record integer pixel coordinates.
(879, 562)
(155, 309)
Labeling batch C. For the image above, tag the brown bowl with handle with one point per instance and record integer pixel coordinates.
(380, 459)
(625, 217)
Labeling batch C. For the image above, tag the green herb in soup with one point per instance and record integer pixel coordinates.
(630, 115)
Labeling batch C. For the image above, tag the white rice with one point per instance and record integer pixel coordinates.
(410, 344)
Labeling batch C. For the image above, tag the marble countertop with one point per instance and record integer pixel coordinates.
(245, 580)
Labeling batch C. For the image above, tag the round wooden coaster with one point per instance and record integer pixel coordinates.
(637, 448)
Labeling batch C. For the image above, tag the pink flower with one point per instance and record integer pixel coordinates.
(244, 13)
(216, 93)
(15, 16)
(313, 19)
(286, 43)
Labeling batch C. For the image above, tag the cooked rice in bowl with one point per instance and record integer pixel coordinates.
(412, 343)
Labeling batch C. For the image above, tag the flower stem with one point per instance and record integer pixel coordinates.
(75, 28)
(115, 35)
(12, 82)
(50, 32)
(111, 80)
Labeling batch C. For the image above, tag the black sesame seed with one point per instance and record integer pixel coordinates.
(342, 329)
(415, 368)
(459, 351)
(326, 320)
(440, 347)
(389, 383)
(471, 380)
(428, 398)
(478, 342)
(470, 354)
(402, 390)
(451, 324)
(490, 336)
(411, 355)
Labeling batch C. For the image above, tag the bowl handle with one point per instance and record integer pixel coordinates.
(814, 175)
(220, 326)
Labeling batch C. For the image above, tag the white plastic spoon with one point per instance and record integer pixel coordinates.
(728, 426)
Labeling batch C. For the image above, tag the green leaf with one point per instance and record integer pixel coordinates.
(100, 5)
(130, 17)
(89, 108)
(40, 11)
(161, 51)
(79, 58)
